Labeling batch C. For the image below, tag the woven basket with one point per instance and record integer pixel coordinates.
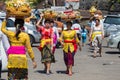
(18, 10)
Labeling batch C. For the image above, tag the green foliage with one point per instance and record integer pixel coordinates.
(38, 1)
(35, 3)
(118, 1)
(112, 8)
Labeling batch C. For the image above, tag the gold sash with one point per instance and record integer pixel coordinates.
(95, 33)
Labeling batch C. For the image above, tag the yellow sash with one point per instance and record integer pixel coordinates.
(45, 41)
(95, 33)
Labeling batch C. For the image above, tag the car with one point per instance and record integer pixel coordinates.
(2, 15)
(111, 24)
(114, 40)
(29, 28)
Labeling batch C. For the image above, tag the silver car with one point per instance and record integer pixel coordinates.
(111, 24)
(28, 28)
(114, 40)
(2, 15)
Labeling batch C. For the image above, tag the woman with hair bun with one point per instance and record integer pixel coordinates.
(17, 59)
(69, 41)
(96, 37)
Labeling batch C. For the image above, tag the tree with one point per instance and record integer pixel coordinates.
(111, 3)
(118, 1)
(36, 2)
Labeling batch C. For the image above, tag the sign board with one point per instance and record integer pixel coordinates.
(75, 5)
(58, 8)
(69, 11)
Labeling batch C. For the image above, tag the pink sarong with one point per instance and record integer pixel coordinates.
(69, 58)
(16, 50)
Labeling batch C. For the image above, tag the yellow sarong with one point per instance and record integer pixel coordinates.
(17, 61)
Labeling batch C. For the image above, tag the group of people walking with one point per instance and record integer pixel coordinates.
(69, 38)
(50, 36)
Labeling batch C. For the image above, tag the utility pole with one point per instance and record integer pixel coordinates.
(54, 2)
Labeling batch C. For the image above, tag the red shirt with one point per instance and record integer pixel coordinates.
(46, 33)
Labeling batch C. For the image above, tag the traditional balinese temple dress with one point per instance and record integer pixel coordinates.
(55, 38)
(70, 46)
(46, 44)
(96, 35)
(17, 59)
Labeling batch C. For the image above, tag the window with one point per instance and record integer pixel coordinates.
(112, 20)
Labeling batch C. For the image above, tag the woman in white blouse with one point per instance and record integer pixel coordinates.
(4, 45)
(96, 36)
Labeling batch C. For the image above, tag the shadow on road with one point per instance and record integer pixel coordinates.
(40, 71)
(64, 72)
(35, 45)
(94, 56)
(105, 47)
(61, 72)
(91, 51)
(112, 52)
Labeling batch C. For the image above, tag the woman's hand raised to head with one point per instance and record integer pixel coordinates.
(40, 20)
(41, 15)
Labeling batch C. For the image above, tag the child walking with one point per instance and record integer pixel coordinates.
(84, 35)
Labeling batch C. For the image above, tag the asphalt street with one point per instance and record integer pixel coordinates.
(86, 67)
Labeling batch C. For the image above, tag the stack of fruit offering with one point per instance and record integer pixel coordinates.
(18, 8)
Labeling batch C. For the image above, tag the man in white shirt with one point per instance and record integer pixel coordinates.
(76, 26)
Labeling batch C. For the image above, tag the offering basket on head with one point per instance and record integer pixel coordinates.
(49, 14)
(18, 8)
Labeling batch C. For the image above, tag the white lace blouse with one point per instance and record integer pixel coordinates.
(4, 44)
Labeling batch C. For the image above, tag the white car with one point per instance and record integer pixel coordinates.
(114, 40)
(111, 24)
(2, 14)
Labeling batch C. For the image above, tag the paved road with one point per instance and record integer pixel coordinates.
(86, 67)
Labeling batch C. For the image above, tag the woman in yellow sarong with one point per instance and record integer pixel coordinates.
(69, 41)
(96, 36)
(17, 59)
